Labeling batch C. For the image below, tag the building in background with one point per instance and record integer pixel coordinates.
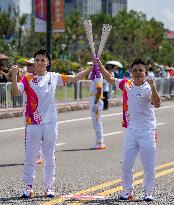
(169, 35)
(69, 6)
(13, 5)
(88, 7)
(113, 7)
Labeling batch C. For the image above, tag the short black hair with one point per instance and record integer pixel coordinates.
(42, 52)
(138, 61)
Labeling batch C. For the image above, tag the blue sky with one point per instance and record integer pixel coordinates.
(162, 10)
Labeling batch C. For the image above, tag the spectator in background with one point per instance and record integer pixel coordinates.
(3, 80)
(150, 74)
(17, 100)
(171, 72)
(30, 66)
(105, 94)
(3, 73)
(127, 73)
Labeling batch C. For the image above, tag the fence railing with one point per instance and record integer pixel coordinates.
(76, 92)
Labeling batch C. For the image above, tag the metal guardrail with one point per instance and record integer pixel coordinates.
(76, 93)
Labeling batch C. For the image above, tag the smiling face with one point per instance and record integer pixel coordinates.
(41, 62)
(138, 74)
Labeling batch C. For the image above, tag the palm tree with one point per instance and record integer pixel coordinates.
(7, 25)
(22, 22)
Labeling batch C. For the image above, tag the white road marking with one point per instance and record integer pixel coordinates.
(79, 119)
(112, 133)
(59, 144)
(14, 129)
(119, 132)
(88, 118)
(160, 123)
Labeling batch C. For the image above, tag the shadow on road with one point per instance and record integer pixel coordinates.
(75, 150)
(15, 200)
(11, 165)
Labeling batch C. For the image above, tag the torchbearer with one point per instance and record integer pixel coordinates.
(139, 99)
(41, 118)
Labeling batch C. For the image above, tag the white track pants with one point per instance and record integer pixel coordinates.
(38, 136)
(142, 141)
(96, 119)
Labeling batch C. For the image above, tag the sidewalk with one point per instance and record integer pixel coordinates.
(61, 107)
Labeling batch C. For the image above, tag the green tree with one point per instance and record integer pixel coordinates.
(22, 22)
(165, 53)
(32, 41)
(7, 25)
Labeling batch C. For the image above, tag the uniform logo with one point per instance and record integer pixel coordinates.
(35, 81)
(138, 95)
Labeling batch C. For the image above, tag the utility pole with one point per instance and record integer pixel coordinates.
(49, 30)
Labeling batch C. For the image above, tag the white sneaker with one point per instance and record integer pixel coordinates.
(126, 196)
(148, 197)
(49, 192)
(28, 192)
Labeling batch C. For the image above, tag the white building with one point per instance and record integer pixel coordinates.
(90, 7)
(113, 7)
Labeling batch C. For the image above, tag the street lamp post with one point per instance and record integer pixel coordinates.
(49, 30)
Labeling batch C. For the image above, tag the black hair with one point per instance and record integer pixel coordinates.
(139, 61)
(42, 52)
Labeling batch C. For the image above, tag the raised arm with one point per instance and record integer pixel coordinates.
(78, 76)
(14, 85)
(155, 98)
(106, 74)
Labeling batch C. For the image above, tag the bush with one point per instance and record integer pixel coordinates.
(64, 66)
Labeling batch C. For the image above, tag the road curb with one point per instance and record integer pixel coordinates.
(63, 107)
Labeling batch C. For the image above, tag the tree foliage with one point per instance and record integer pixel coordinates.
(132, 36)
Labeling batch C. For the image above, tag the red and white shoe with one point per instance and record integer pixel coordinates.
(126, 196)
(39, 160)
(99, 146)
(28, 192)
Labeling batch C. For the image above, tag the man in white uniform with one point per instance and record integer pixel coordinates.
(139, 99)
(96, 108)
(41, 118)
(30, 70)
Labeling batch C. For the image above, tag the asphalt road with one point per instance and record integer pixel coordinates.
(79, 168)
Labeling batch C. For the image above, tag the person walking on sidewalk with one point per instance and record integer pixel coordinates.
(139, 99)
(41, 118)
